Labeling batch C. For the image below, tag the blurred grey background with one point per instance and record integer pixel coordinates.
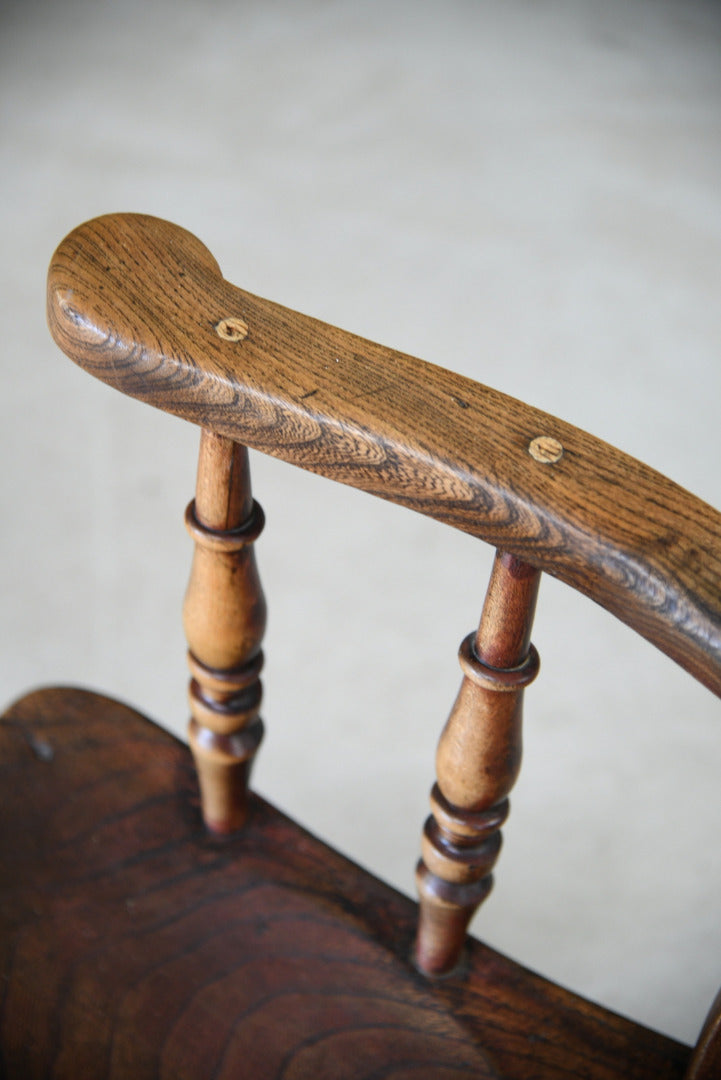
(529, 193)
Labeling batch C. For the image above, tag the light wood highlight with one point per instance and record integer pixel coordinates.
(136, 301)
(275, 954)
(224, 617)
(478, 760)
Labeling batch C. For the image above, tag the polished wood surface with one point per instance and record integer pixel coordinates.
(224, 617)
(135, 944)
(478, 761)
(142, 305)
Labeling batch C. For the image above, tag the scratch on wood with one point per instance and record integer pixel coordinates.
(40, 747)
(309, 394)
(371, 391)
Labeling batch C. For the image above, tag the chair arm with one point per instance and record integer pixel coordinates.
(142, 305)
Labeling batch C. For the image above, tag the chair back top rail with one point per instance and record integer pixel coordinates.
(142, 305)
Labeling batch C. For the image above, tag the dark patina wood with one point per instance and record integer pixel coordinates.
(142, 305)
(136, 945)
(478, 760)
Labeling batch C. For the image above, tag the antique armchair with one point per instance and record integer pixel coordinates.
(142, 937)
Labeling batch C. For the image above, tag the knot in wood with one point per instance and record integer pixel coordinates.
(545, 450)
(491, 678)
(232, 329)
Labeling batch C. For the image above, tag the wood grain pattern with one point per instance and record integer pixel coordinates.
(224, 616)
(139, 303)
(136, 945)
(477, 764)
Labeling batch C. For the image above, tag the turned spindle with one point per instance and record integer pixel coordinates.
(224, 618)
(478, 760)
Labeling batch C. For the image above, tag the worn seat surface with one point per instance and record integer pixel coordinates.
(137, 944)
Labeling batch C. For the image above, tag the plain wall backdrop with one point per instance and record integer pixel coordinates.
(528, 193)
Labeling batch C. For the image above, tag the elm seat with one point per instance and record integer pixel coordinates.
(153, 927)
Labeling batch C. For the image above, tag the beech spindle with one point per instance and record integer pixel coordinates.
(224, 617)
(478, 760)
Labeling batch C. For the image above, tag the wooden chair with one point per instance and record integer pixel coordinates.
(138, 941)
